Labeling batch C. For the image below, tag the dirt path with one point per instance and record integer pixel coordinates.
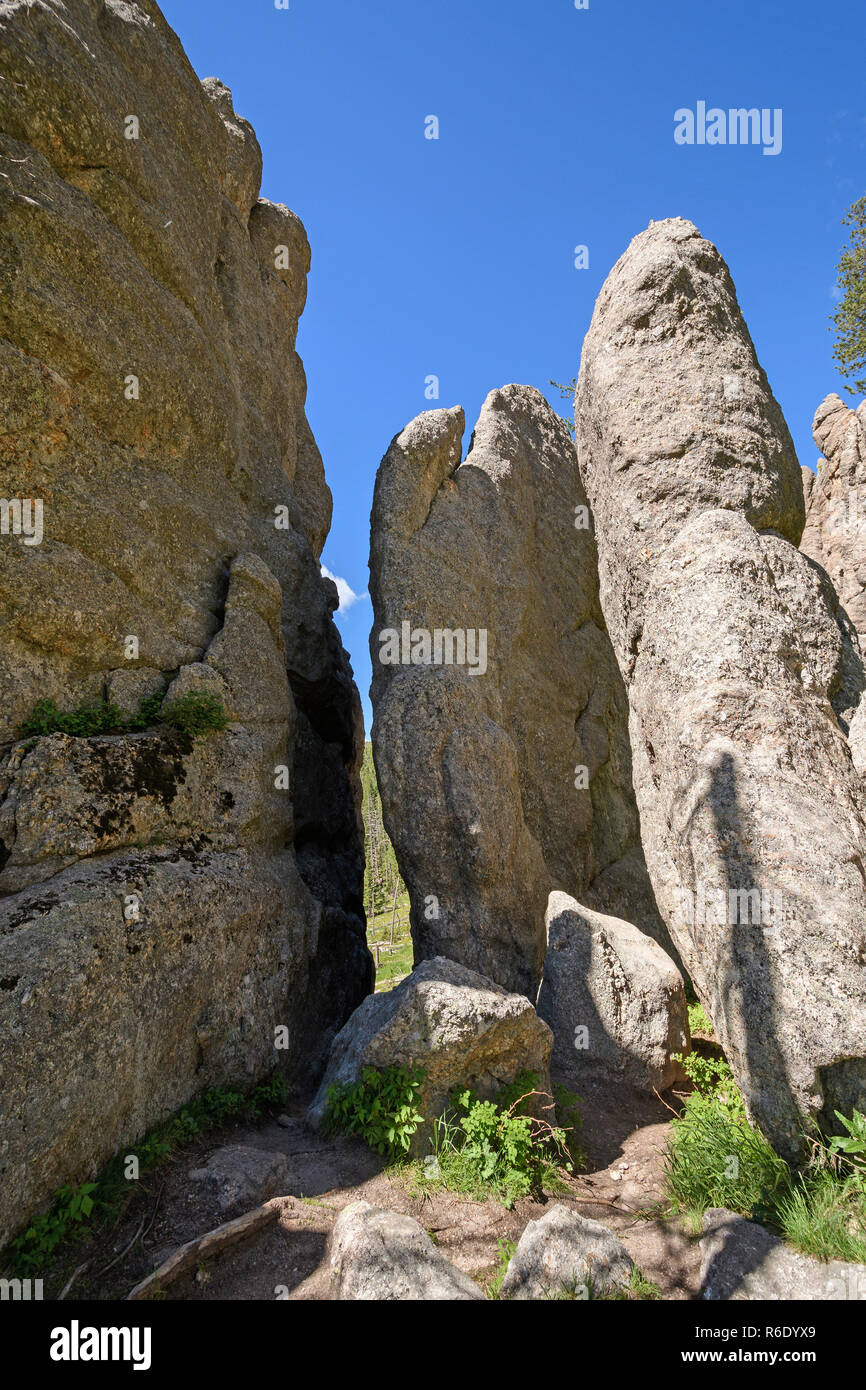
(623, 1135)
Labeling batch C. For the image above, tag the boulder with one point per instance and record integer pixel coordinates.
(615, 1003)
(742, 670)
(463, 1030)
(741, 1260)
(566, 1255)
(385, 1256)
(499, 729)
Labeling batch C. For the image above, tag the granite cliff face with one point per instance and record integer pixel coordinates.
(742, 673)
(169, 904)
(501, 751)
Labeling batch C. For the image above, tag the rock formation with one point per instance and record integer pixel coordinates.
(169, 904)
(614, 1001)
(464, 1032)
(499, 727)
(566, 1255)
(741, 670)
(835, 532)
(743, 1261)
(380, 1256)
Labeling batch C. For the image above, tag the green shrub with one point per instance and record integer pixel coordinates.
(380, 1108)
(195, 714)
(149, 712)
(71, 1209)
(482, 1146)
(700, 1021)
(84, 722)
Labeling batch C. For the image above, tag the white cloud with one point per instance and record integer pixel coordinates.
(347, 594)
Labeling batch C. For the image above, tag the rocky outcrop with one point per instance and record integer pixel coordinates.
(464, 1032)
(176, 912)
(499, 728)
(615, 1003)
(563, 1255)
(383, 1255)
(741, 1260)
(674, 417)
(741, 671)
(835, 532)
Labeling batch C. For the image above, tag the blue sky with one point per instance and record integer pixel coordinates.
(455, 256)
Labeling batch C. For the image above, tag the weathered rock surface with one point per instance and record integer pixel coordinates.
(383, 1255)
(507, 774)
(741, 671)
(741, 1260)
(563, 1254)
(167, 904)
(674, 417)
(615, 1003)
(242, 1177)
(835, 532)
(464, 1030)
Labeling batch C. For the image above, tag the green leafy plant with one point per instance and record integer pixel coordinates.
(74, 1209)
(71, 1209)
(380, 1107)
(84, 722)
(195, 714)
(854, 1142)
(500, 1147)
(700, 1021)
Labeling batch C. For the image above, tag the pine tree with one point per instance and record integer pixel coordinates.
(849, 317)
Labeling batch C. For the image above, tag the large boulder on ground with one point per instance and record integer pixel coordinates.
(835, 531)
(463, 1030)
(566, 1255)
(741, 1260)
(385, 1256)
(499, 729)
(616, 1004)
(742, 671)
(169, 908)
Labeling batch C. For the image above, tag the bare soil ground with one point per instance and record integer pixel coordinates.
(623, 1134)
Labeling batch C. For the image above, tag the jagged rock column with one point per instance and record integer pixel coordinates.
(741, 669)
(499, 727)
(176, 913)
